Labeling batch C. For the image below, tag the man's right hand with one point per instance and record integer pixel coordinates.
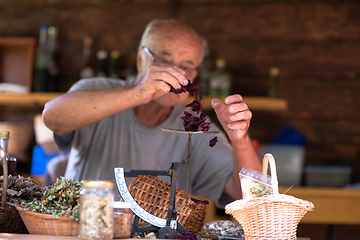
(158, 81)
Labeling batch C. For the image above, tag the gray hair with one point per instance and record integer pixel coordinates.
(154, 24)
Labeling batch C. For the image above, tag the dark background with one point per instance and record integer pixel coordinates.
(315, 44)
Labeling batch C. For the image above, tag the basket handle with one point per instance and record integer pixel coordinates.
(269, 159)
(5, 182)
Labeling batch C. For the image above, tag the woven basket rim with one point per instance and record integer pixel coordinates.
(43, 215)
(281, 198)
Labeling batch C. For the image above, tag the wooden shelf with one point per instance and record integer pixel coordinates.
(332, 205)
(39, 100)
(254, 103)
(26, 100)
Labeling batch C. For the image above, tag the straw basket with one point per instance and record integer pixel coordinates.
(152, 194)
(271, 216)
(46, 224)
(10, 219)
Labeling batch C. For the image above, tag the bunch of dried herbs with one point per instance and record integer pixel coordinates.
(191, 122)
(21, 189)
(61, 199)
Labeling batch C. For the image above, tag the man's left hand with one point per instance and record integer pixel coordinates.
(234, 116)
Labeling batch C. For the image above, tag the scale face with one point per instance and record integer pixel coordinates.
(139, 211)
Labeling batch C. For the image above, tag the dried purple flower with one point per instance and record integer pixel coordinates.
(194, 89)
(196, 105)
(187, 235)
(178, 91)
(190, 122)
(213, 142)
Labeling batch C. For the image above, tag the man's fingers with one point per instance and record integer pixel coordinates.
(240, 125)
(218, 106)
(239, 116)
(233, 99)
(170, 74)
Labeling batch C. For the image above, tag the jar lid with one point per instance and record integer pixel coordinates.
(4, 134)
(97, 183)
(118, 204)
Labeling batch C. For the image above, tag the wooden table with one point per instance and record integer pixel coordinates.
(4, 236)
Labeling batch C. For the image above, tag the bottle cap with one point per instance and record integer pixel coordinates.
(115, 54)
(220, 63)
(4, 134)
(52, 30)
(119, 204)
(101, 54)
(88, 41)
(97, 184)
(44, 26)
(274, 71)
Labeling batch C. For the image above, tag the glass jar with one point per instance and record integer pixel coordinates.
(96, 213)
(122, 219)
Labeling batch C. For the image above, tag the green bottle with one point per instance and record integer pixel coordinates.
(220, 80)
(274, 73)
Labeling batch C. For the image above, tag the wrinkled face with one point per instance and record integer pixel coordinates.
(171, 46)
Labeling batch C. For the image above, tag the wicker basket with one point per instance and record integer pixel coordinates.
(46, 224)
(271, 216)
(152, 194)
(10, 219)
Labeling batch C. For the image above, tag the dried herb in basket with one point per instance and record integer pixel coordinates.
(61, 199)
(15, 190)
(20, 189)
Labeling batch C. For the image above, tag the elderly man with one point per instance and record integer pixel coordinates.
(105, 124)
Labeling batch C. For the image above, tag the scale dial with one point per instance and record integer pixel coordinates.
(136, 208)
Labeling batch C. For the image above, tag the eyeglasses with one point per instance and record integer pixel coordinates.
(189, 72)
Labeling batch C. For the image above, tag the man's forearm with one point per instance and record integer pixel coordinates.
(78, 109)
(244, 154)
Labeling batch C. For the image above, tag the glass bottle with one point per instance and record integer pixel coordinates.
(204, 73)
(87, 64)
(113, 71)
(101, 56)
(40, 84)
(52, 62)
(274, 73)
(11, 161)
(96, 212)
(220, 80)
(131, 70)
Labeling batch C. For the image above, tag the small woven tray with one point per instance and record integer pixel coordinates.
(271, 216)
(46, 224)
(152, 194)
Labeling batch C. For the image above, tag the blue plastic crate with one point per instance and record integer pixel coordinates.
(40, 160)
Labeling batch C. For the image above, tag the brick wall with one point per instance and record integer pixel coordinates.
(315, 43)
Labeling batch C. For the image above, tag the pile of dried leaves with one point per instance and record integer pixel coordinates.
(61, 199)
(21, 189)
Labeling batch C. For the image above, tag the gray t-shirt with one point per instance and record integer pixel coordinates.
(121, 141)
